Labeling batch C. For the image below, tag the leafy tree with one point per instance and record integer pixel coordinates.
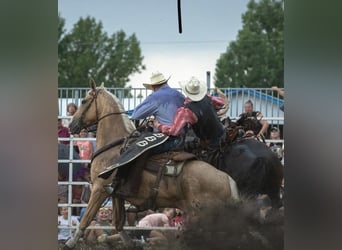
(256, 58)
(87, 51)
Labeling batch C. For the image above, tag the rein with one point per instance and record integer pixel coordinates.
(112, 144)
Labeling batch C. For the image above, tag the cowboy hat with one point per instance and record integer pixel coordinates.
(194, 89)
(157, 78)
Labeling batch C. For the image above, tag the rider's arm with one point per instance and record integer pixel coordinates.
(144, 110)
(217, 102)
(182, 117)
(264, 124)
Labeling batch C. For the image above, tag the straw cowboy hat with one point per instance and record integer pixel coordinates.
(157, 78)
(194, 89)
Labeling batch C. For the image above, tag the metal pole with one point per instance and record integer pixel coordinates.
(208, 80)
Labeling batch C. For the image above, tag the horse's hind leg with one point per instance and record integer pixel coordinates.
(97, 197)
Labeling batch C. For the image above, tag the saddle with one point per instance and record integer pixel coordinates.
(171, 163)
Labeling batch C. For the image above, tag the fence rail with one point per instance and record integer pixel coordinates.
(265, 100)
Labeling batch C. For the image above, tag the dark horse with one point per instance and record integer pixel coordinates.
(254, 167)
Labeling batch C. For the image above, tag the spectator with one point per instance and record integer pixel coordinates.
(199, 110)
(252, 121)
(276, 147)
(163, 219)
(71, 110)
(281, 93)
(103, 218)
(66, 233)
(92, 135)
(63, 132)
(86, 190)
(62, 190)
(133, 215)
(85, 147)
(82, 175)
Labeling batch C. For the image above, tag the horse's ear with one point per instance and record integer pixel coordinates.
(102, 85)
(92, 84)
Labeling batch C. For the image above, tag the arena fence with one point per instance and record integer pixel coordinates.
(70, 183)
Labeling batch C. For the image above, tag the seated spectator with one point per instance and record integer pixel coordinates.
(276, 147)
(63, 132)
(133, 215)
(103, 218)
(62, 190)
(86, 190)
(163, 219)
(65, 233)
(81, 175)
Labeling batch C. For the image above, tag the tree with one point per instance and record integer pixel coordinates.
(256, 58)
(88, 52)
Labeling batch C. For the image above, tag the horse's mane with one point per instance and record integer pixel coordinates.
(116, 102)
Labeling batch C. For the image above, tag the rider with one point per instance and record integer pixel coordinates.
(162, 104)
(199, 110)
(260, 127)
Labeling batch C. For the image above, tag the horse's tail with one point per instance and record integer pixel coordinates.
(270, 180)
(234, 189)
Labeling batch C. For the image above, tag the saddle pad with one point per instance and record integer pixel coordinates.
(144, 142)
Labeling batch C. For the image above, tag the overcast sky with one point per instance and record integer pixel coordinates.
(208, 27)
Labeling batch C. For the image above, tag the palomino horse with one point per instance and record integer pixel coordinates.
(199, 185)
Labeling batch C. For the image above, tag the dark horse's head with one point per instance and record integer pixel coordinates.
(249, 123)
(86, 114)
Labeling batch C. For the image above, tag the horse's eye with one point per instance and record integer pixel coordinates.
(84, 101)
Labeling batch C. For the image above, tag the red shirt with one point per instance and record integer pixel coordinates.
(184, 116)
(63, 132)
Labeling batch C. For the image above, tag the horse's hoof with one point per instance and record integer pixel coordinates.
(66, 247)
(70, 244)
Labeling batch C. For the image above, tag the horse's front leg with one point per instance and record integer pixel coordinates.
(97, 197)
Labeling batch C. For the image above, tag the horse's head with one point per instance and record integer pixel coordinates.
(249, 123)
(97, 104)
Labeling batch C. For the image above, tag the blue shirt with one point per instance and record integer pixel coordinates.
(162, 104)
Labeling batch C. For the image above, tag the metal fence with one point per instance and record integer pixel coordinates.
(265, 100)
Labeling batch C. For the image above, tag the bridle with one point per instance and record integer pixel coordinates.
(94, 95)
(113, 144)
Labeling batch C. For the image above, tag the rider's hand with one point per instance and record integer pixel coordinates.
(156, 123)
(249, 133)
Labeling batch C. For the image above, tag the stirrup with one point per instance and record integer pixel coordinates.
(108, 171)
(109, 189)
